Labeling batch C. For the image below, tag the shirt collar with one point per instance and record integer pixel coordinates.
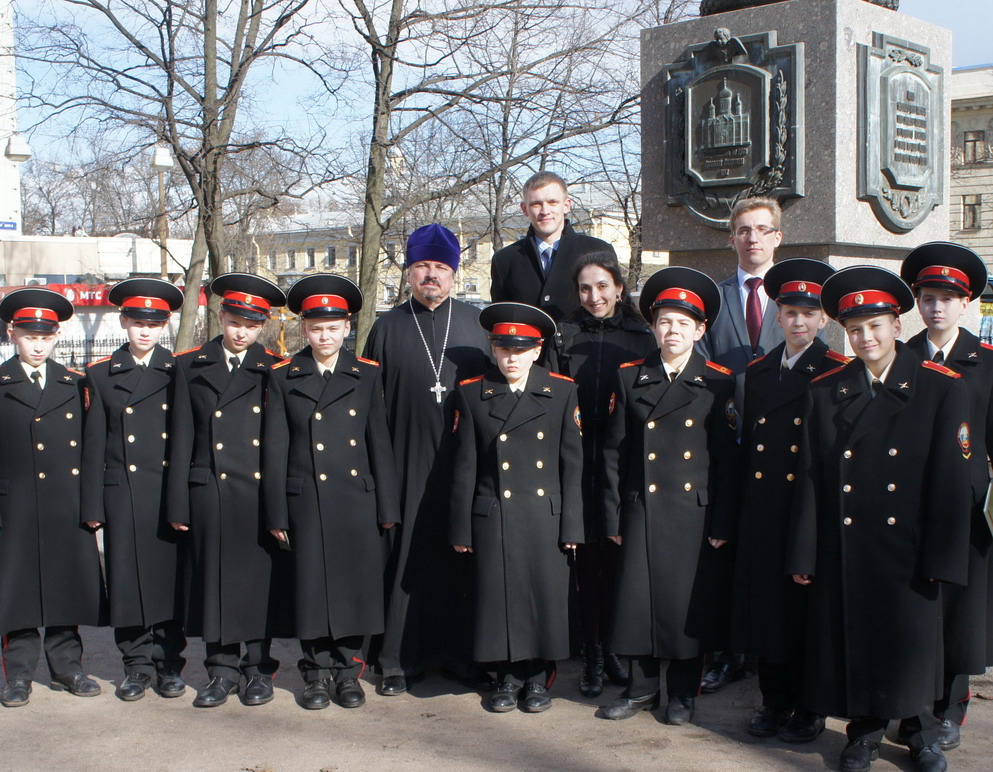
(945, 350)
(743, 277)
(788, 362)
(322, 368)
(522, 384)
(228, 354)
(678, 366)
(540, 245)
(29, 368)
(146, 359)
(870, 377)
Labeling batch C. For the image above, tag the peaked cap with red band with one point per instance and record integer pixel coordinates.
(865, 290)
(516, 325)
(324, 296)
(947, 266)
(797, 281)
(35, 309)
(685, 289)
(151, 299)
(248, 296)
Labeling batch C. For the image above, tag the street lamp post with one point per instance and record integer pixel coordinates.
(161, 163)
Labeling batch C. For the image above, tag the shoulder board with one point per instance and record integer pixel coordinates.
(562, 377)
(986, 345)
(280, 357)
(280, 364)
(98, 361)
(829, 372)
(372, 362)
(832, 354)
(76, 372)
(189, 350)
(754, 361)
(635, 363)
(467, 381)
(720, 368)
(940, 369)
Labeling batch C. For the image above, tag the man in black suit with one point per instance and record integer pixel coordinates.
(537, 270)
(745, 330)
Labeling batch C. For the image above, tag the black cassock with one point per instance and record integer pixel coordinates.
(426, 615)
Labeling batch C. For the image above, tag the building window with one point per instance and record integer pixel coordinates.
(291, 259)
(311, 259)
(971, 207)
(272, 261)
(330, 257)
(353, 256)
(391, 252)
(471, 285)
(390, 294)
(974, 147)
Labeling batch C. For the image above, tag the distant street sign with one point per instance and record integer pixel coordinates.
(6, 225)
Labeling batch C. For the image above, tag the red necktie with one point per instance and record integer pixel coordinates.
(753, 311)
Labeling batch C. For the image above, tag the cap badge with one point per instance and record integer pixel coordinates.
(324, 301)
(802, 286)
(945, 272)
(682, 296)
(859, 300)
(513, 330)
(249, 298)
(37, 313)
(148, 302)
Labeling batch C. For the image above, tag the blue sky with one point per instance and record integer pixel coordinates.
(969, 20)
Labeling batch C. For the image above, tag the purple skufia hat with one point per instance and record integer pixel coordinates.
(434, 242)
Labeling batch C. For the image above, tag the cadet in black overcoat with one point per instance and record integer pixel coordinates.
(880, 521)
(330, 482)
(214, 490)
(671, 468)
(49, 564)
(126, 444)
(769, 608)
(945, 277)
(516, 504)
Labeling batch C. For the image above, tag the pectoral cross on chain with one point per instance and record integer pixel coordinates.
(438, 389)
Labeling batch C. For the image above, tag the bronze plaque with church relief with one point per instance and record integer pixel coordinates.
(900, 128)
(733, 124)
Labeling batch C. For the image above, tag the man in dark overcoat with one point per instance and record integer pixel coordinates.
(126, 444)
(330, 483)
(49, 564)
(769, 608)
(945, 277)
(214, 491)
(880, 521)
(517, 504)
(670, 502)
(537, 269)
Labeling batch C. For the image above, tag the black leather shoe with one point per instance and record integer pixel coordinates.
(78, 684)
(171, 685)
(679, 711)
(949, 737)
(929, 759)
(392, 685)
(317, 694)
(858, 756)
(536, 698)
(591, 681)
(720, 675)
(625, 707)
(258, 690)
(133, 686)
(803, 727)
(17, 692)
(215, 693)
(478, 681)
(504, 699)
(615, 669)
(767, 722)
(350, 694)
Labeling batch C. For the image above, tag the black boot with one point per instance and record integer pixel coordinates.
(591, 682)
(616, 670)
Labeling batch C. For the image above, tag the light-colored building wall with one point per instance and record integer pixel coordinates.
(971, 191)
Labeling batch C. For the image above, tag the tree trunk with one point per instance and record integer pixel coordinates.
(186, 337)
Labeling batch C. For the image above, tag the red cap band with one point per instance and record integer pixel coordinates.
(140, 301)
(517, 330)
(249, 302)
(800, 287)
(35, 315)
(324, 301)
(944, 273)
(682, 295)
(867, 298)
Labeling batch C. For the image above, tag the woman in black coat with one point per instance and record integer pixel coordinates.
(591, 344)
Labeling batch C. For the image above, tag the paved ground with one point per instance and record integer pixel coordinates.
(438, 727)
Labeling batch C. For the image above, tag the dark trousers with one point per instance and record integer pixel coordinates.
(331, 657)
(225, 660)
(63, 650)
(920, 730)
(596, 570)
(522, 671)
(150, 650)
(682, 676)
(781, 684)
(954, 700)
